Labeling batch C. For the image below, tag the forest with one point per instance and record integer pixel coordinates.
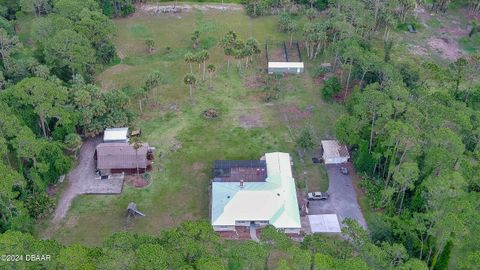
(412, 125)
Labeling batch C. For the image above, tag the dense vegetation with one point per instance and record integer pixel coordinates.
(413, 127)
(194, 245)
(44, 105)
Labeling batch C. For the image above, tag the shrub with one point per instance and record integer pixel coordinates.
(331, 87)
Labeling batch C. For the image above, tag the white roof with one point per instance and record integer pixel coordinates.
(115, 134)
(324, 223)
(332, 149)
(285, 64)
(274, 200)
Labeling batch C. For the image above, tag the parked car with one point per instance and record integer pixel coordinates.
(344, 170)
(314, 196)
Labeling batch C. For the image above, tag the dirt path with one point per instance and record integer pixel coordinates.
(76, 185)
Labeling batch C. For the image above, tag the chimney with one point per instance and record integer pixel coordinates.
(241, 183)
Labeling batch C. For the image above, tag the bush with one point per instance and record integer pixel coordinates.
(319, 71)
(331, 87)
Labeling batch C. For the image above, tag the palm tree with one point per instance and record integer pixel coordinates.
(203, 57)
(190, 80)
(136, 144)
(189, 59)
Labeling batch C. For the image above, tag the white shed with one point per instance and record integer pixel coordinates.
(285, 67)
(334, 153)
(115, 135)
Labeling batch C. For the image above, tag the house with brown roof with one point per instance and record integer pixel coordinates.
(122, 157)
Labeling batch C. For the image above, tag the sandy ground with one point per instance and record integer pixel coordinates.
(175, 9)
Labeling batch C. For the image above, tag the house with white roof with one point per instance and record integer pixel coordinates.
(115, 135)
(255, 193)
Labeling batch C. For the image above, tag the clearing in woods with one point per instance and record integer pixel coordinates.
(186, 143)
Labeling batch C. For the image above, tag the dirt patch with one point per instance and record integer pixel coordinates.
(417, 50)
(447, 47)
(176, 9)
(295, 113)
(136, 181)
(254, 82)
(251, 120)
(198, 166)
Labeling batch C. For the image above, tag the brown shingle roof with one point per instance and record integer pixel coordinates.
(120, 156)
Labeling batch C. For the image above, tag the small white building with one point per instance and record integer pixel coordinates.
(334, 153)
(271, 201)
(115, 135)
(285, 67)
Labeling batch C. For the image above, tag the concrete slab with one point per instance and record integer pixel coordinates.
(327, 223)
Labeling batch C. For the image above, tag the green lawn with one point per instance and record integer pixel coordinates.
(180, 188)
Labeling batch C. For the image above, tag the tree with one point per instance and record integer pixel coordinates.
(331, 87)
(7, 45)
(73, 141)
(71, 51)
(195, 39)
(228, 43)
(150, 43)
(189, 59)
(405, 178)
(190, 80)
(136, 144)
(45, 97)
(203, 56)
(211, 71)
(39, 7)
(151, 256)
(152, 81)
(287, 25)
(305, 141)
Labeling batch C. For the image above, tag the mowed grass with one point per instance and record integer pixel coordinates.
(186, 143)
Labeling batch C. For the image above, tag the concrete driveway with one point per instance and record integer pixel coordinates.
(343, 199)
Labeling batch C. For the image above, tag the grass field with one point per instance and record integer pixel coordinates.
(246, 129)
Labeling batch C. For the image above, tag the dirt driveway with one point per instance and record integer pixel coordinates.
(343, 199)
(85, 169)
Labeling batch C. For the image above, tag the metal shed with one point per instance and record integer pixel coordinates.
(283, 59)
(285, 67)
(334, 153)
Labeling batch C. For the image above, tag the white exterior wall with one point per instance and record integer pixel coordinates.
(242, 223)
(335, 160)
(224, 228)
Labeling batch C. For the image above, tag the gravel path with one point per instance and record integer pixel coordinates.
(76, 178)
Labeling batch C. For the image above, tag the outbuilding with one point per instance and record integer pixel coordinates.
(285, 67)
(122, 157)
(334, 153)
(116, 135)
(283, 58)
